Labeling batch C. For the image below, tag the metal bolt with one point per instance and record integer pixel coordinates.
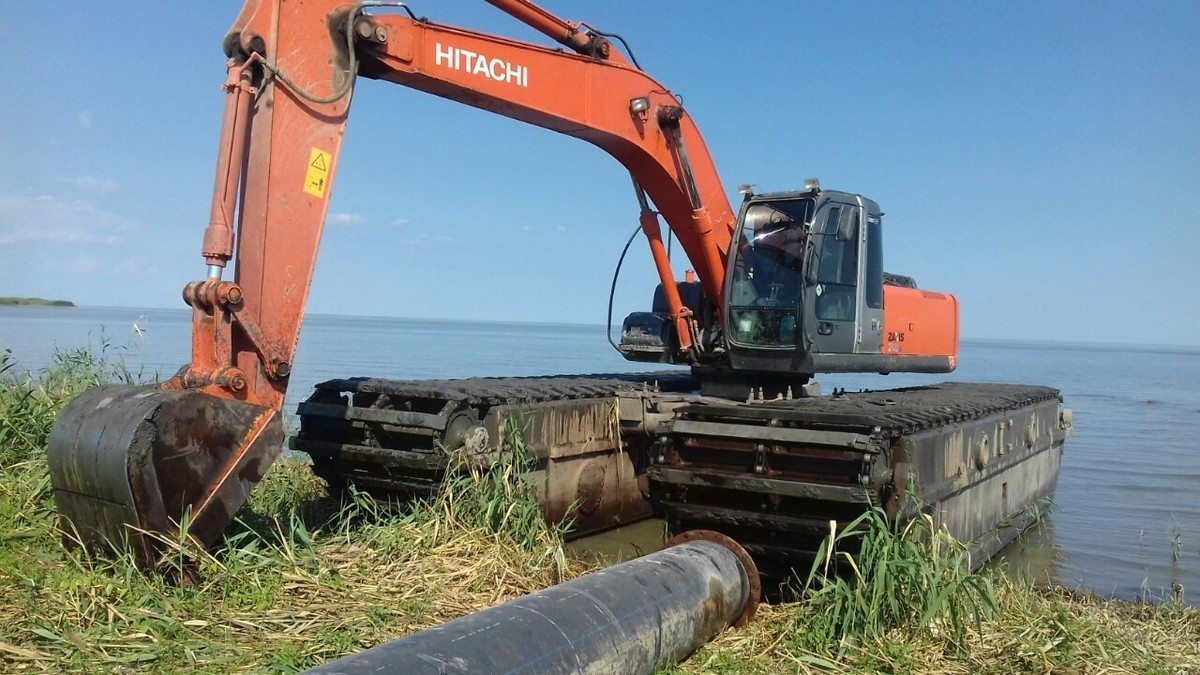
(232, 293)
(232, 379)
(237, 383)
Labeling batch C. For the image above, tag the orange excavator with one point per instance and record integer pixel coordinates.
(788, 285)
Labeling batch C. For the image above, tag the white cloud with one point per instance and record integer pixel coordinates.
(400, 222)
(344, 219)
(93, 186)
(423, 240)
(48, 219)
(135, 266)
(83, 264)
(35, 236)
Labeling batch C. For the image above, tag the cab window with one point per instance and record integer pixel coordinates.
(837, 271)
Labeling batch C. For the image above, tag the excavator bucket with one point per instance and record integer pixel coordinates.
(127, 461)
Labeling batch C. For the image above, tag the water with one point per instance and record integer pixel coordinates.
(330, 346)
(1126, 520)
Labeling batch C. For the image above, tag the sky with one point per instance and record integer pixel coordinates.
(1041, 161)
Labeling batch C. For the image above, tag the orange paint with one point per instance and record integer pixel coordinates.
(285, 196)
(919, 323)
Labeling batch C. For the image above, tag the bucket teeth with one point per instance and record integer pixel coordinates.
(125, 461)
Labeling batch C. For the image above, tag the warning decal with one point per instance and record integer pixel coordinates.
(316, 178)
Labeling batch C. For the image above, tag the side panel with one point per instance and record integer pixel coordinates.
(980, 475)
(588, 477)
(920, 323)
(772, 474)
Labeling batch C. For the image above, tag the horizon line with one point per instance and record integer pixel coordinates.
(969, 338)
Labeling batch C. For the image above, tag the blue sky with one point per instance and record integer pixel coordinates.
(1039, 160)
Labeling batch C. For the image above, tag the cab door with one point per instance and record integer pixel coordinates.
(870, 282)
(833, 290)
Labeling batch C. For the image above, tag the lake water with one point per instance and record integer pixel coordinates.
(1126, 520)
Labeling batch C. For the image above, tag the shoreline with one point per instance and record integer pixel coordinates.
(7, 301)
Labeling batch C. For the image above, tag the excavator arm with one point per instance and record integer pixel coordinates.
(290, 85)
(134, 463)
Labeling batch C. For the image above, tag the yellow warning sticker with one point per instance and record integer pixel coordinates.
(317, 176)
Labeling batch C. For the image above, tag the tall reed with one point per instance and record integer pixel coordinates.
(876, 575)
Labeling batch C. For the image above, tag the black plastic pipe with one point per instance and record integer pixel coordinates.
(636, 617)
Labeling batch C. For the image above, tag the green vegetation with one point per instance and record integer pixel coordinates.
(34, 302)
(303, 578)
(914, 579)
(1034, 630)
(906, 603)
(300, 579)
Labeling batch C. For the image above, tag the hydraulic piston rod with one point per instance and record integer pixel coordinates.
(636, 617)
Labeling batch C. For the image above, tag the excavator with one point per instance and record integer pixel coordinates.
(736, 439)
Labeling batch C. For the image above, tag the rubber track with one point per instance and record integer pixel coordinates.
(786, 540)
(893, 411)
(488, 391)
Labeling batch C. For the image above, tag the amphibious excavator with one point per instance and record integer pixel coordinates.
(736, 438)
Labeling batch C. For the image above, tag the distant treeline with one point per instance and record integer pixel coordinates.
(35, 302)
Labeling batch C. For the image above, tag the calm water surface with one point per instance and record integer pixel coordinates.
(1127, 514)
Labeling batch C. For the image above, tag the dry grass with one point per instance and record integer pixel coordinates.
(905, 602)
(299, 580)
(1035, 631)
(275, 598)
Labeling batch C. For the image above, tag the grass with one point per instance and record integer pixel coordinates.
(904, 602)
(29, 403)
(875, 576)
(301, 579)
(1034, 630)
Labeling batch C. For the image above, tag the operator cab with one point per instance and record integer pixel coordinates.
(795, 282)
(806, 278)
(805, 294)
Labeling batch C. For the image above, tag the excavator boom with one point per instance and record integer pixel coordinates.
(132, 463)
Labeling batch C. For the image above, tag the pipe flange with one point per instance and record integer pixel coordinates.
(743, 557)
